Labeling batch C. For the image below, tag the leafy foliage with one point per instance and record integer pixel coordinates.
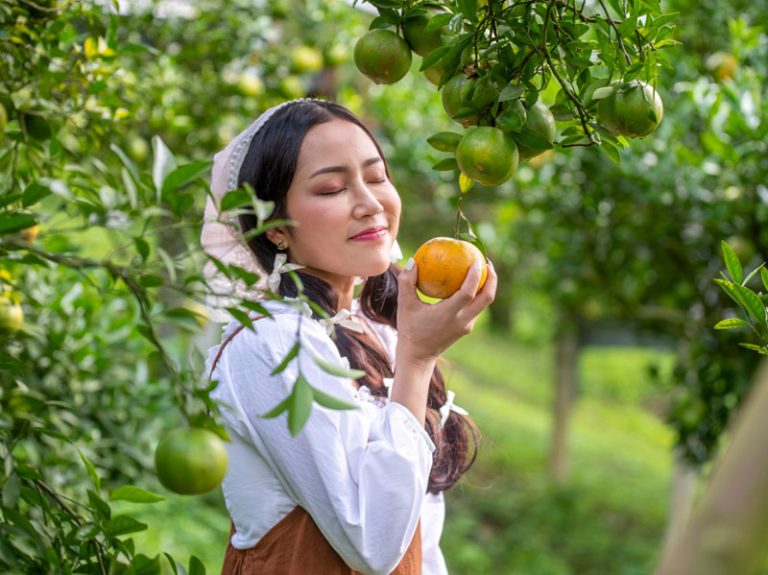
(753, 304)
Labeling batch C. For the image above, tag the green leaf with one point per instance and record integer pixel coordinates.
(196, 566)
(512, 119)
(151, 280)
(130, 188)
(761, 350)
(764, 277)
(10, 198)
(337, 370)
(752, 303)
(123, 525)
(185, 174)
(10, 223)
(749, 301)
(732, 262)
(142, 247)
(127, 162)
(292, 353)
(330, 401)
(301, 406)
(279, 408)
(95, 479)
(445, 141)
(752, 274)
(611, 151)
(438, 21)
(532, 139)
(172, 562)
(135, 495)
(602, 93)
(731, 323)
(257, 307)
(469, 9)
(446, 165)
(434, 57)
(510, 93)
(34, 193)
(235, 199)
(143, 565)
(164, 163)
(11, 490)
(241, 316)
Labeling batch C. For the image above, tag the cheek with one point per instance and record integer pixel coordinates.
(315, 219)
(394, 205)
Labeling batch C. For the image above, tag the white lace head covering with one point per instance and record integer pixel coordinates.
(221, 237)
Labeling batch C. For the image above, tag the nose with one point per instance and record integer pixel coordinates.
(366, 202)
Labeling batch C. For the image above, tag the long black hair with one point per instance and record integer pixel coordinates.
(269, 167)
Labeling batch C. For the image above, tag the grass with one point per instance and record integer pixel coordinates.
(507, 517)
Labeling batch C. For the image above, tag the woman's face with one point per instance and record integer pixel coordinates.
(347, 211)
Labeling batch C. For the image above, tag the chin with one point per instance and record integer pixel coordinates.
(375, 268)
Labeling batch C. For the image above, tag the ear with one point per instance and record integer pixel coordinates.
(276, 234)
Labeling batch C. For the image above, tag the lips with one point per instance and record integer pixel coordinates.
(373, 233)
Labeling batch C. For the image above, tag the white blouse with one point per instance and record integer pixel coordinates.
(361, 474)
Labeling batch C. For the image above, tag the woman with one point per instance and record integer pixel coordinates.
(356, 490)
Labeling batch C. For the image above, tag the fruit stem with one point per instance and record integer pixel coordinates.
(459, 215)
(582, 112)
(619, 39)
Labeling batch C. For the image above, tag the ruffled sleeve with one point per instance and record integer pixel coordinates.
(361, 474)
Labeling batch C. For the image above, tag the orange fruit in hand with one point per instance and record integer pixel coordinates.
(443, 263)
(191, 461)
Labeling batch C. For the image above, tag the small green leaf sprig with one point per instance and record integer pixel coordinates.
(752, 303)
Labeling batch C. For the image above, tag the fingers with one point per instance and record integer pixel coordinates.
(407, 282)
(471, 303)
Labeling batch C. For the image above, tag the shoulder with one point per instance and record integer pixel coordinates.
(290, 322)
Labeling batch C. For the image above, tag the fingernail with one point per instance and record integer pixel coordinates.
(409, 264)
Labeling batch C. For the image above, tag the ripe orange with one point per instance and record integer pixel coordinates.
(383, 56)
(443, 263)
(634, 109)
(721, 65)
(487, 155)
(30, 234)
(191, 461)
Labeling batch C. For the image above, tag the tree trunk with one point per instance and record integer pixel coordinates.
(566, 368)
(681, 498)
(728, 530)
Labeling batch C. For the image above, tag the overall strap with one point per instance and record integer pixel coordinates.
(230, 337)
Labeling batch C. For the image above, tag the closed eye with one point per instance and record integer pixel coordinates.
(331, 192)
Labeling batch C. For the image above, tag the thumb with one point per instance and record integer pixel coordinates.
(408, 276)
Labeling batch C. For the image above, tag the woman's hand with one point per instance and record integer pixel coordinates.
(426, 330)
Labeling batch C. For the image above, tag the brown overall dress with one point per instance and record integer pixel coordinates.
(296, 546)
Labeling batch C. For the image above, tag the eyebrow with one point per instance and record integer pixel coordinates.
(335, 169)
